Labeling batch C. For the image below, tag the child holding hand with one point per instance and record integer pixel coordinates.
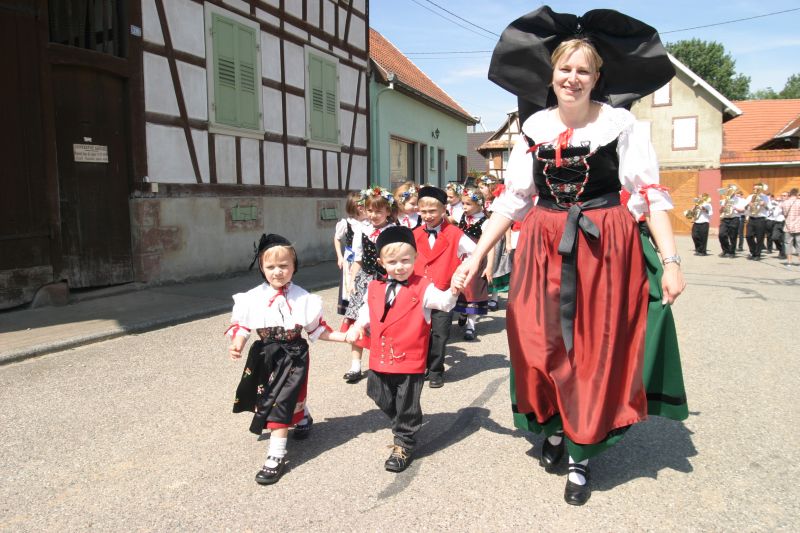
(398, 312)
(275, 377)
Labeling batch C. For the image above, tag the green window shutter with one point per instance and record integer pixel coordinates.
(248, 85)
(317, 103)
(331, 88)
(225, 92)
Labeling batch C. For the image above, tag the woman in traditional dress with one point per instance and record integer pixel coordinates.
(578, 300)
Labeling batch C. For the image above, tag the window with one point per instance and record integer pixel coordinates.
(684, 133)
(433, 158)
(401, 154)
(234, 73)
(100, 25)
(322, 98)
(663, 96)
(505, 159)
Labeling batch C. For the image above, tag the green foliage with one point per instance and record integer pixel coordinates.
(710, 61)
(790, 90)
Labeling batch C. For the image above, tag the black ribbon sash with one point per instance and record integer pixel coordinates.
(567, 249)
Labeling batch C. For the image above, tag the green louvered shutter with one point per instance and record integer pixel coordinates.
(330, 87)
(317, 104)
(225, 88)
(247, 83)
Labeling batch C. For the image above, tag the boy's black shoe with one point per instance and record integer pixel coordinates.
(301, 431)
(268, 475)
(436, 381)
(399, 460)
(353, 376)
(469, 335)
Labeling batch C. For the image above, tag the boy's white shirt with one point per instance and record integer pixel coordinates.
(297, 308)
(432, 299)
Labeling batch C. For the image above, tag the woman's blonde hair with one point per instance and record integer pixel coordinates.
(566, 48)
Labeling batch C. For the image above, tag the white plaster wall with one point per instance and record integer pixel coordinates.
(294, 30)
(270, 56)
(151, 28)
(345, 126)
(360, 5)
(295, 63)
(193, 83)
(168, 158)
(186, 26)
(239, 4)
(200, 140)
(339, 52)
(348, 78)
(295, 115)
(312, 13)
(361, 131)
(317, 176)
(298, 173)
(225, 149)
(273, 110)
(274, 3)
(159, 93)
(333, 169)
(251, 174)
(319, 42)
(273, 164)
(357, 33)
(295, 8)
(358, 174)
(266, 17)
(327, 17)
(342, 21)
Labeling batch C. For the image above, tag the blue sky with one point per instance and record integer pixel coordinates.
(766, 49)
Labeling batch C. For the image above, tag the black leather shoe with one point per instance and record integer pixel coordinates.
(268, 475)
(492, 305)
(436, 381)
(353, 376)
(399, 460)
(575, 494)
(551, 455)
(469, 335)
(462, 321)
(301, 431)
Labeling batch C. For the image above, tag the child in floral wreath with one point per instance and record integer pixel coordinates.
(491, 187)
(454, 206)
(473, 302)
(406, 198)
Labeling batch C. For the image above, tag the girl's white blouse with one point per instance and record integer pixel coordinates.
(251, 309)
(638, 166)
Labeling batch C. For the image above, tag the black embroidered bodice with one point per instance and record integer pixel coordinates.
(348, 235)
(581, 176)
(280, 334)
(474, 230)
(369, 257)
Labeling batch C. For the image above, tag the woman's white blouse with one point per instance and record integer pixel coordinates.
(252, 310)
(638, 165)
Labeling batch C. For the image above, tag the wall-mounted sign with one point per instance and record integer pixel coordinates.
(136, 31)
(90, 153)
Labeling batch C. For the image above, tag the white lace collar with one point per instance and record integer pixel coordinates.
(544, 126)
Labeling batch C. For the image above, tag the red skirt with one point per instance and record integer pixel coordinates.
(597, 387)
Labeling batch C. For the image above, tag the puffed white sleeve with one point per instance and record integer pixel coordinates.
(314, 323)
(638, 172)
(517, 197)
(240, 316)
(341, 230)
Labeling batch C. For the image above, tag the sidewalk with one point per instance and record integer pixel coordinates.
(33, 332)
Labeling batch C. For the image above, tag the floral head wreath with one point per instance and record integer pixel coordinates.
(412, 191)
(488, 179)
(457, 188)
(473, 195)
(377, 191)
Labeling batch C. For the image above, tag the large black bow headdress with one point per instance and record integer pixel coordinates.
(635, 62)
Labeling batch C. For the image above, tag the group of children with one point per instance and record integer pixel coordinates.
(398, 253)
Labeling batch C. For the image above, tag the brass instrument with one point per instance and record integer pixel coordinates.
(694, 212)
(726, 195)
(757, 203)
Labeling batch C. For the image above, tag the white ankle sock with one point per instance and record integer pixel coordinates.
(306, 416)
(471, 323)
(355, 365)
(277, 448)
(555, 440)
(575, 477)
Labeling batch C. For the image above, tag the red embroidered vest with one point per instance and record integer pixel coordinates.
(399, 344)
(440, 263)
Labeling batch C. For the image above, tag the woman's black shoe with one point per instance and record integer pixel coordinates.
(575, 494)
(269, 475)
(551, 454)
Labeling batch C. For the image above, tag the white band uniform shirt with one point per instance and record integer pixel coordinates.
(704, 216)
(765, 206)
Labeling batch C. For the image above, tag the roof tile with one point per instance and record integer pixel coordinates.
(761, 120)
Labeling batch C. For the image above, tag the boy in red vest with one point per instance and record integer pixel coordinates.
(441, 247)
(398, 313)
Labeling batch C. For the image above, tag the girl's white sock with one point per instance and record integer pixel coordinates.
(277, 449)
(355, 365)
(575, 477)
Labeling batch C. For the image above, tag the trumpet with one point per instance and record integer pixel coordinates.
(694, 212)
(727, 196)
(757, 203)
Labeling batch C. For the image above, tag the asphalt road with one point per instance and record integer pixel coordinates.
(136, 433)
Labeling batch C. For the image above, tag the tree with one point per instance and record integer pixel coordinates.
(710, 61)
(790, 90)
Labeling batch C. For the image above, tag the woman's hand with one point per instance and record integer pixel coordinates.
(672, 283)
(465, 272)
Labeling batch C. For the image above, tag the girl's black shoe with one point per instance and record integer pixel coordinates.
(575, 494)
(301, 431)
(269, 475)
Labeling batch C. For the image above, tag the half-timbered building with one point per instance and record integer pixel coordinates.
(155, 140)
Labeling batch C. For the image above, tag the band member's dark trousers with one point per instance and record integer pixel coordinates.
(700, 236)
(777, 238)
(756, 228)
(728, 230)
(768, 232)
(440, 333)
(741, 232)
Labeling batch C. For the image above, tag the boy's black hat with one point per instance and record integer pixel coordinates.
(433, 192)
(269, 241)
(395, 234)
